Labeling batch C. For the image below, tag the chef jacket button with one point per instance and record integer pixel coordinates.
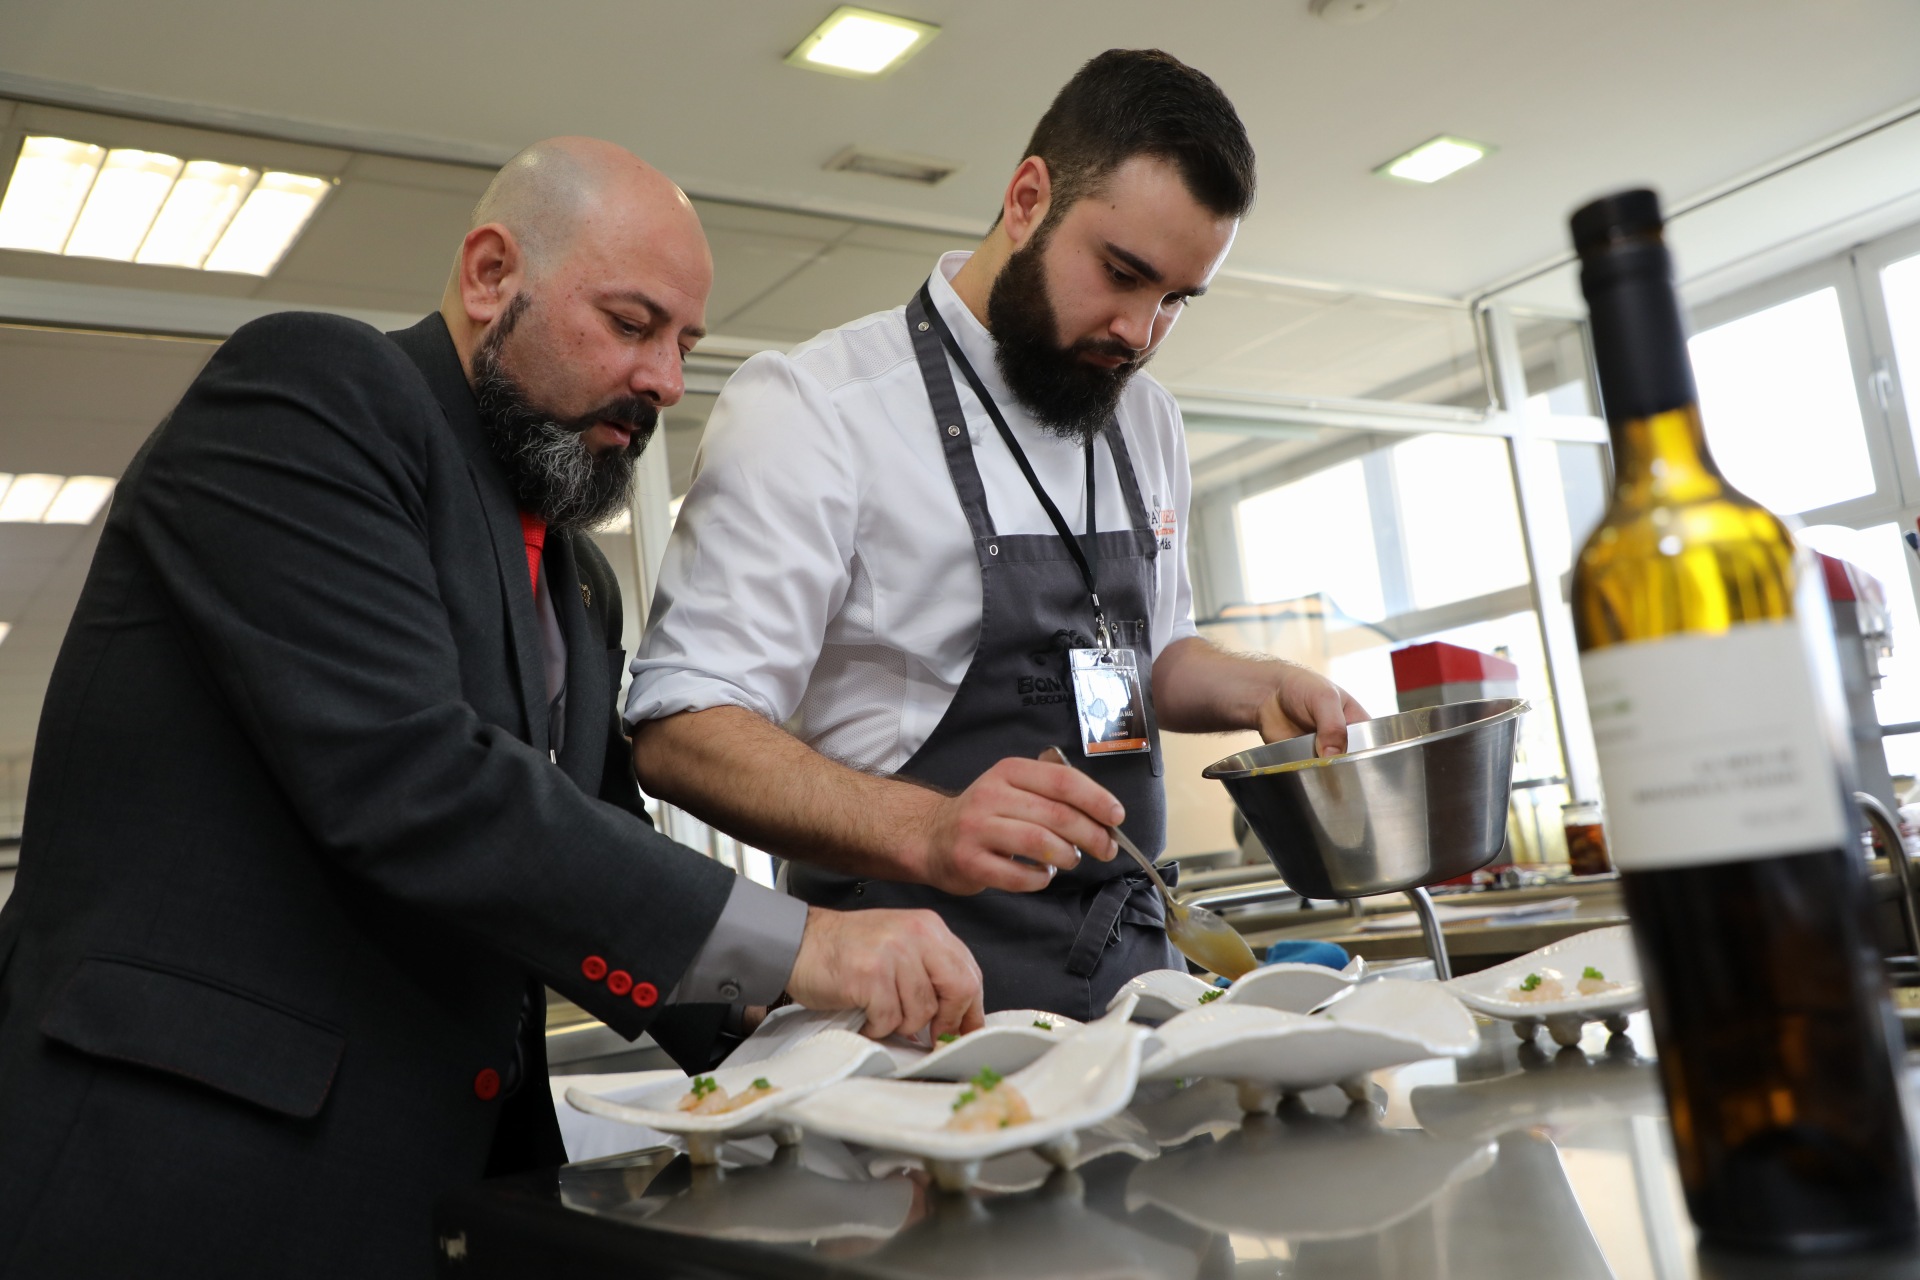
(619, 982)
(730, 990)
(645, 994)
(953, 431)
(594, 968)
(486, 1085)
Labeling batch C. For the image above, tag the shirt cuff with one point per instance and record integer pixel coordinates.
(748, 957)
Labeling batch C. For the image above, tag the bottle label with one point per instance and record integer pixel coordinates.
(1715, 748)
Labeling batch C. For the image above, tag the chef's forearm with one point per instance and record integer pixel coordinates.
(1201, 688)
(757, 782)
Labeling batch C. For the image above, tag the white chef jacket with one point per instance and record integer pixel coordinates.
(822, 573)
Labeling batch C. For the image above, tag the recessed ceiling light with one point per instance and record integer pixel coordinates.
(49, 184)
(39, 498)
(1432, 161)
(861, 42)
(131, 187)
(79, 500)
(28, 498)
(267, 223)
(141, 206)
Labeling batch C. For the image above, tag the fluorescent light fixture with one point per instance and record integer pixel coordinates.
(129, 191)
(1434, 160)
(861, 42)
(38, 498)
(198, 209)
(49, 184)
(79, 500)
(143, 206)
(28, 498)
(267, 223)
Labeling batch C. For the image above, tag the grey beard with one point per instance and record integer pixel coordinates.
(552, 472)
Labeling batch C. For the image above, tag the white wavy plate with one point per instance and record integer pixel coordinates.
(823, 1059)
(1017, 1171)
(1080, 1083)
(1609, 950)
(1379, 1025)
(1008, 1042)
(1294, 987)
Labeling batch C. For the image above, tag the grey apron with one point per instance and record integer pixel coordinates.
(1067, 948)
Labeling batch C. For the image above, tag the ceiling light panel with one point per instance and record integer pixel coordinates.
(82, 200)
(267, 223)
(197, 210)
(28, 498)
(79, 500)
(127, 194)
(862, 43)
(49, 185)
(1434, 160)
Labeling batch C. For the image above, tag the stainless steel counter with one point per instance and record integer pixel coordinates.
(1519, 1162)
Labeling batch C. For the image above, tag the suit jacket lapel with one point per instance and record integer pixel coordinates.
(430, 346)
(584, 750)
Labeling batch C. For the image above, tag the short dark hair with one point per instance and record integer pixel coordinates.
(1143, 102)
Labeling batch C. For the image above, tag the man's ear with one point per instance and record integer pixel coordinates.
(490, 262)
(1029, 195)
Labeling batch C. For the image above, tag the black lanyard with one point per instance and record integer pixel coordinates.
(1087, 558)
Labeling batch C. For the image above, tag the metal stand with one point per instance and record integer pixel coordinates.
(1430, 926)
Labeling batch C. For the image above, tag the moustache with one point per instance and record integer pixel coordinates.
(1111, 348)
(636, 415)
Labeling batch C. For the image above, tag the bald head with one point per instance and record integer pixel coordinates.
(546, 194)
(585, 275)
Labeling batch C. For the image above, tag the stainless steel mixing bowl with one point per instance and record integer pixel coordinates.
(1419, 797)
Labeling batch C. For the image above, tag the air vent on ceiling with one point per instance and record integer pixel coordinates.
(892, 164)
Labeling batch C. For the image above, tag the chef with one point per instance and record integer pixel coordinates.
(923, 547)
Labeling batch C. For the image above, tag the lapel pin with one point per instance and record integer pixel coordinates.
(586, 595)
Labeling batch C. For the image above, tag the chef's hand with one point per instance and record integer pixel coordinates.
(1307, 702)
(1043, 813)
(904, 968)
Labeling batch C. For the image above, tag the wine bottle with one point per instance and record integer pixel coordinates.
(1714, 691)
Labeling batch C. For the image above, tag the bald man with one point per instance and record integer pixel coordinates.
(329, 781)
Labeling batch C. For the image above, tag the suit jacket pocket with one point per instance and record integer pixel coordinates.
(242, 1045)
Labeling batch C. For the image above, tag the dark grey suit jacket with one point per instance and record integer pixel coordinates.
(292, 867)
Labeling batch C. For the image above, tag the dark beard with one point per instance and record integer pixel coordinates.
(552, 472)
(1066, 395)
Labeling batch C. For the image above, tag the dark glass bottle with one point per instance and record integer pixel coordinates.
(1711, 678)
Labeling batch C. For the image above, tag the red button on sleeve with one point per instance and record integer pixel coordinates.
(619, 982)
(594, 968)
(486, 1085)
(645, 994)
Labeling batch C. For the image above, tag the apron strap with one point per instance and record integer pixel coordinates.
(1103, 917)
(951, 422)
(1142, 525)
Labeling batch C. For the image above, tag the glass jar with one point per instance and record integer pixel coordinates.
(1586, 839)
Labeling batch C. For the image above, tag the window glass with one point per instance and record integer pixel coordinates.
(1553, 357)
(1313, 536)
(1900, 283)
(1459, 523)
(1782, 416)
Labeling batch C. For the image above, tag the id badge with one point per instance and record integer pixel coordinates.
(1110, 700)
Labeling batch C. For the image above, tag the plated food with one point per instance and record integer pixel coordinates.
(1290, 986)
(988, 1103)
(741, 1101)
(1010, 1040)
(1086, 1078)
(706, 1097)
(1590, 977)
(1268, 1053)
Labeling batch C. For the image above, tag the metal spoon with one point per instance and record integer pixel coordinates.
(1199, 934)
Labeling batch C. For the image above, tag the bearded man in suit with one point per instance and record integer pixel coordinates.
(329, 781)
